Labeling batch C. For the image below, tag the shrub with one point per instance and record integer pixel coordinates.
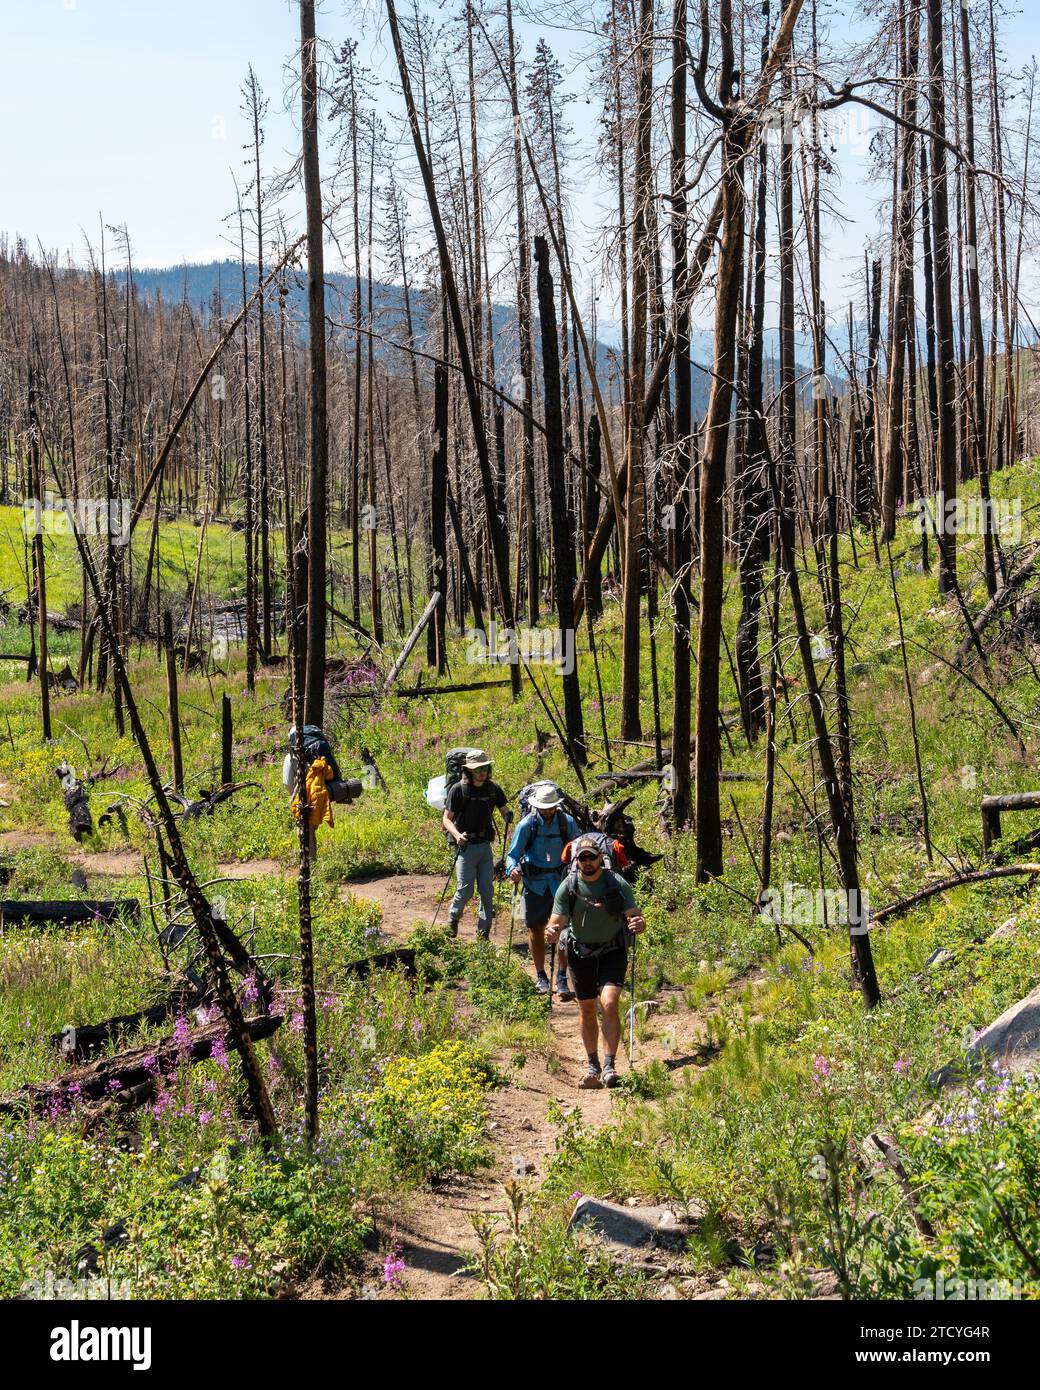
(428, 1114)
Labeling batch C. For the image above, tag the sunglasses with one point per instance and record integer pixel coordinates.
(588, 858)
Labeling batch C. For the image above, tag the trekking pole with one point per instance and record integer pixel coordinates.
(632, 1011)
(548, 1025)
(444, 890)
(512, 920)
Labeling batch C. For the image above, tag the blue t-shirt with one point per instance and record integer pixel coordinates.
(537, 848)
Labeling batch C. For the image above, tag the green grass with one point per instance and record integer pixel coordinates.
(799, 1073)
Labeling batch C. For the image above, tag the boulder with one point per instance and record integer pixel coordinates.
(625, 1227)
(1004, 931)
(1013, 1038)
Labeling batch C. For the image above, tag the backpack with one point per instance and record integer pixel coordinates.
(453, 765)
(527, 792)
(613, 900)
(315, 745)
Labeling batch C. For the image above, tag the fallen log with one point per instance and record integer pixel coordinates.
(79, 1041)
(1000, 600)
(384, 960)
(133, 1072)
(979, 876)
(207, 802)
(413, 637)
(992, 806)
(414, 691)
(63, 912)
(887, 1148)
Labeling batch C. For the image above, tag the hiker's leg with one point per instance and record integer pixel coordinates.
(485, 870)
(537, 909)
(466, 868)
(536, 945)
(589, 1026)
(611, 1023)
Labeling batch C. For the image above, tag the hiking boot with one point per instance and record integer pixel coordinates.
(453, 927)
(541, 982)
(591, 1080)
(484, 934)
(609, 1076)
(563, 989)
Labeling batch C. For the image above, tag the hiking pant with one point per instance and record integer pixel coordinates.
(476, 868)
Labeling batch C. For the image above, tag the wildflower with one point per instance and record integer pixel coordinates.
(394, 1268)
(821, 1067)
(218, 1052)
(901, 1065)
(181, 1034)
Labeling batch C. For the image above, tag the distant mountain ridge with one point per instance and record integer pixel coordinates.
(209, 284)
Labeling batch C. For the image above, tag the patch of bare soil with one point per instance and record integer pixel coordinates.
(113, 863)
(404, 898)
(435, 1228)
(27, 839)
(250, 868)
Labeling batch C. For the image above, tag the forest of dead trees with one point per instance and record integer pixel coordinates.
(475, 438)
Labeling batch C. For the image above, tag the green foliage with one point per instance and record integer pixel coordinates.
(427, 1115)
(536, 1255)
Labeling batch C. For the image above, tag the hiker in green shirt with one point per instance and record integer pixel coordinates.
(599, 910)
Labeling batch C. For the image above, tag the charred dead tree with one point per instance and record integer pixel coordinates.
(682, 588)
(739, 116)
(493, 520)
(563, 552)
(941, 252)
(752, 492)
(318, 456)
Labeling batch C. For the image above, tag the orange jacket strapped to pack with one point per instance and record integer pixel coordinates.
(320, 807)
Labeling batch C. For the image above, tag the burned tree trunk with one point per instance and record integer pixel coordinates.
(563, 552)
(683, 587)
(317, 483)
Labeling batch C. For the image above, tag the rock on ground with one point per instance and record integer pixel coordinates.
(1013, 1038)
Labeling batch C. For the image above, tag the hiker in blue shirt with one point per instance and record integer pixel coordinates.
(535, 859)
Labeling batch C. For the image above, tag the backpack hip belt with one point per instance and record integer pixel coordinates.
(581, 950)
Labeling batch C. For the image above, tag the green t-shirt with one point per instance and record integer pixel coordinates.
(591, 922)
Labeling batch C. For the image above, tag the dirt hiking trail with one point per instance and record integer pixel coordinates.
(435, 1227)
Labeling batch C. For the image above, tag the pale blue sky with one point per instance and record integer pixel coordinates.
(131, 109)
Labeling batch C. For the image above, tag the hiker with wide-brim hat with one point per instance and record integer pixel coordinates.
(469, 818)
(598, 909)
(535, 859)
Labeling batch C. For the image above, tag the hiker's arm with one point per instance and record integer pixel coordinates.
(634, 920)
(554, 926)
(517, 850)
(448, 822)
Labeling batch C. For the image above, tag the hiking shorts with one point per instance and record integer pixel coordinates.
(589, 976)
(537, 910)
